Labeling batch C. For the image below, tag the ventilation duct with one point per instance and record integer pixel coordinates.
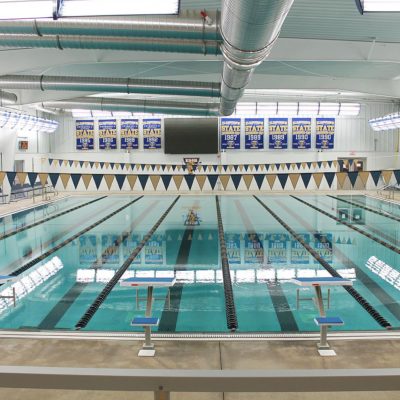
(116, 85)
(249, 29)
(110, 43)
(7, 98)
(141, 106)
(135, 26)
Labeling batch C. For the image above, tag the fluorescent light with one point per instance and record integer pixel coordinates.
(288, 108)
(329, 109)
(349, 109)
(102, 114)
(21, 9)
(391, 121)
(246, 109)
(380, 5)
(308, 108)
(76, 8)
(267, 108)
(26, 122)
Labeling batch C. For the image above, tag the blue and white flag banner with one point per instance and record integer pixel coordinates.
(107, 134)
(253, 249)
(301, 133)
(254, 133)
(232, 242)
(299, 254)
(152, 133)
(129, 134)
(84, 134)
(325, 133)
(230, 133)
(278, 133)
(277, 244)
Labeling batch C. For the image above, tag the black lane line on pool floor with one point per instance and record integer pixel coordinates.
(357, 296)
(283, 312)
(382, 213)
(368, 235)
(88, 315)
(231, 317)
(387, 301)
(36, 260)
(58, 311)
(24, 228)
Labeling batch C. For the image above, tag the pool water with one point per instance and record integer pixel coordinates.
(57, 285)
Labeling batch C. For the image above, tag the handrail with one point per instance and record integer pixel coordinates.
(178, 380)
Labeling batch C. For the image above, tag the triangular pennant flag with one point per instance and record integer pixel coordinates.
(153, 166)
(86, 164)
(117, 165)
(318, 178)
(86, 180)
(330, 164)
(43, 178)
(209, 168)
(163, 167)
(235, 167)
(32, 178)
(387, 176)
(51, 161)
(65, 162)
(303, 165)
(81, 163)
(143, 180)
(308, 165)
(98, 178)
(201, 179)
(189, 180)
(282, 179)
(251, 167)
(271, 180)
(70, 162)
(109, 180)
(288, 165)
(219, 168)
(106, 164)
(325, 164)
(158, 166)
(335, 163)
(306, 176)
(166, 179)
(375, 176)
(112, 165)
(364, 175)
(340, 163)
(266, 166)
(65, 179)
(230, 168)
(132, 180)
(178, 181)
(277, 166)
(60, 162)
(329, 176)
(215, 167)
(397, 175)
(76, 163)
(11, 177)
(240, 167)
(95, 163)
(351, 162)
(120, 178)
(236, 180)
(341, 178)
(173, 167)
(148, 166)
(353, 177)
(319, 163)
(54, 178)
(314, 164)
(298, 165)
(22, 177)
(224, 180)
(101, 164)
(294, 178)
(246, 167)
(247, 180)
(212, 179)
(259, 178)
(154, 180)
(75, 179)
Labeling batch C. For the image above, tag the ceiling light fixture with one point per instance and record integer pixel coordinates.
(367, 6)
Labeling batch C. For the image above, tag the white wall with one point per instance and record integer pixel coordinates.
(7, 150)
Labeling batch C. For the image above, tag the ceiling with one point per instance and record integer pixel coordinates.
(324, 45)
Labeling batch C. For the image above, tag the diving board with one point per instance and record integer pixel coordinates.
(147, 321)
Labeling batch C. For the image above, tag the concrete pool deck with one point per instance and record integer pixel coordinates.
(218, 355)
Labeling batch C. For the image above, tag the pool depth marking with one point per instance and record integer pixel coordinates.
(33, 262)
(60, 309)
(383, 214)
(279, 301)
(24, 228)
(114, 280)
(387, 301)
(368, 235)
(231, 317)
(364, 303)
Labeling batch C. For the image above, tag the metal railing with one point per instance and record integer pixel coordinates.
(388, 191)
(164, 381)
(33, 192)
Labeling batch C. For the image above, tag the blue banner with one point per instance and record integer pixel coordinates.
(230, 133)
(301, 133)
(299, 254)
(323, 245)
(152, 133)
(84, 134)
(129, 134)
(254, 133)
(277, 244)
(154, 251)
(107, 134)
(278, 133)
(129, 245)
(253, 249)
(87, 249)
(232, 242)
(110, 250)
(325, 133)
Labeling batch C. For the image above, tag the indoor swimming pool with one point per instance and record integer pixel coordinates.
(63, 257)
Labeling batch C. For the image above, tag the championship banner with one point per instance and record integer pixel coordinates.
(323, 246)
(129, 245)
(87, 249)
(107, 134)
(253, 249)
(152, 133)
(154, 251)
(230, 133)
(129, 134)
(299, 255)
(301, 133)
(232, 242)
(325, 133)
(110, 252)
(278, 133)
(254, 133)
(277, 244)
(84, 133)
